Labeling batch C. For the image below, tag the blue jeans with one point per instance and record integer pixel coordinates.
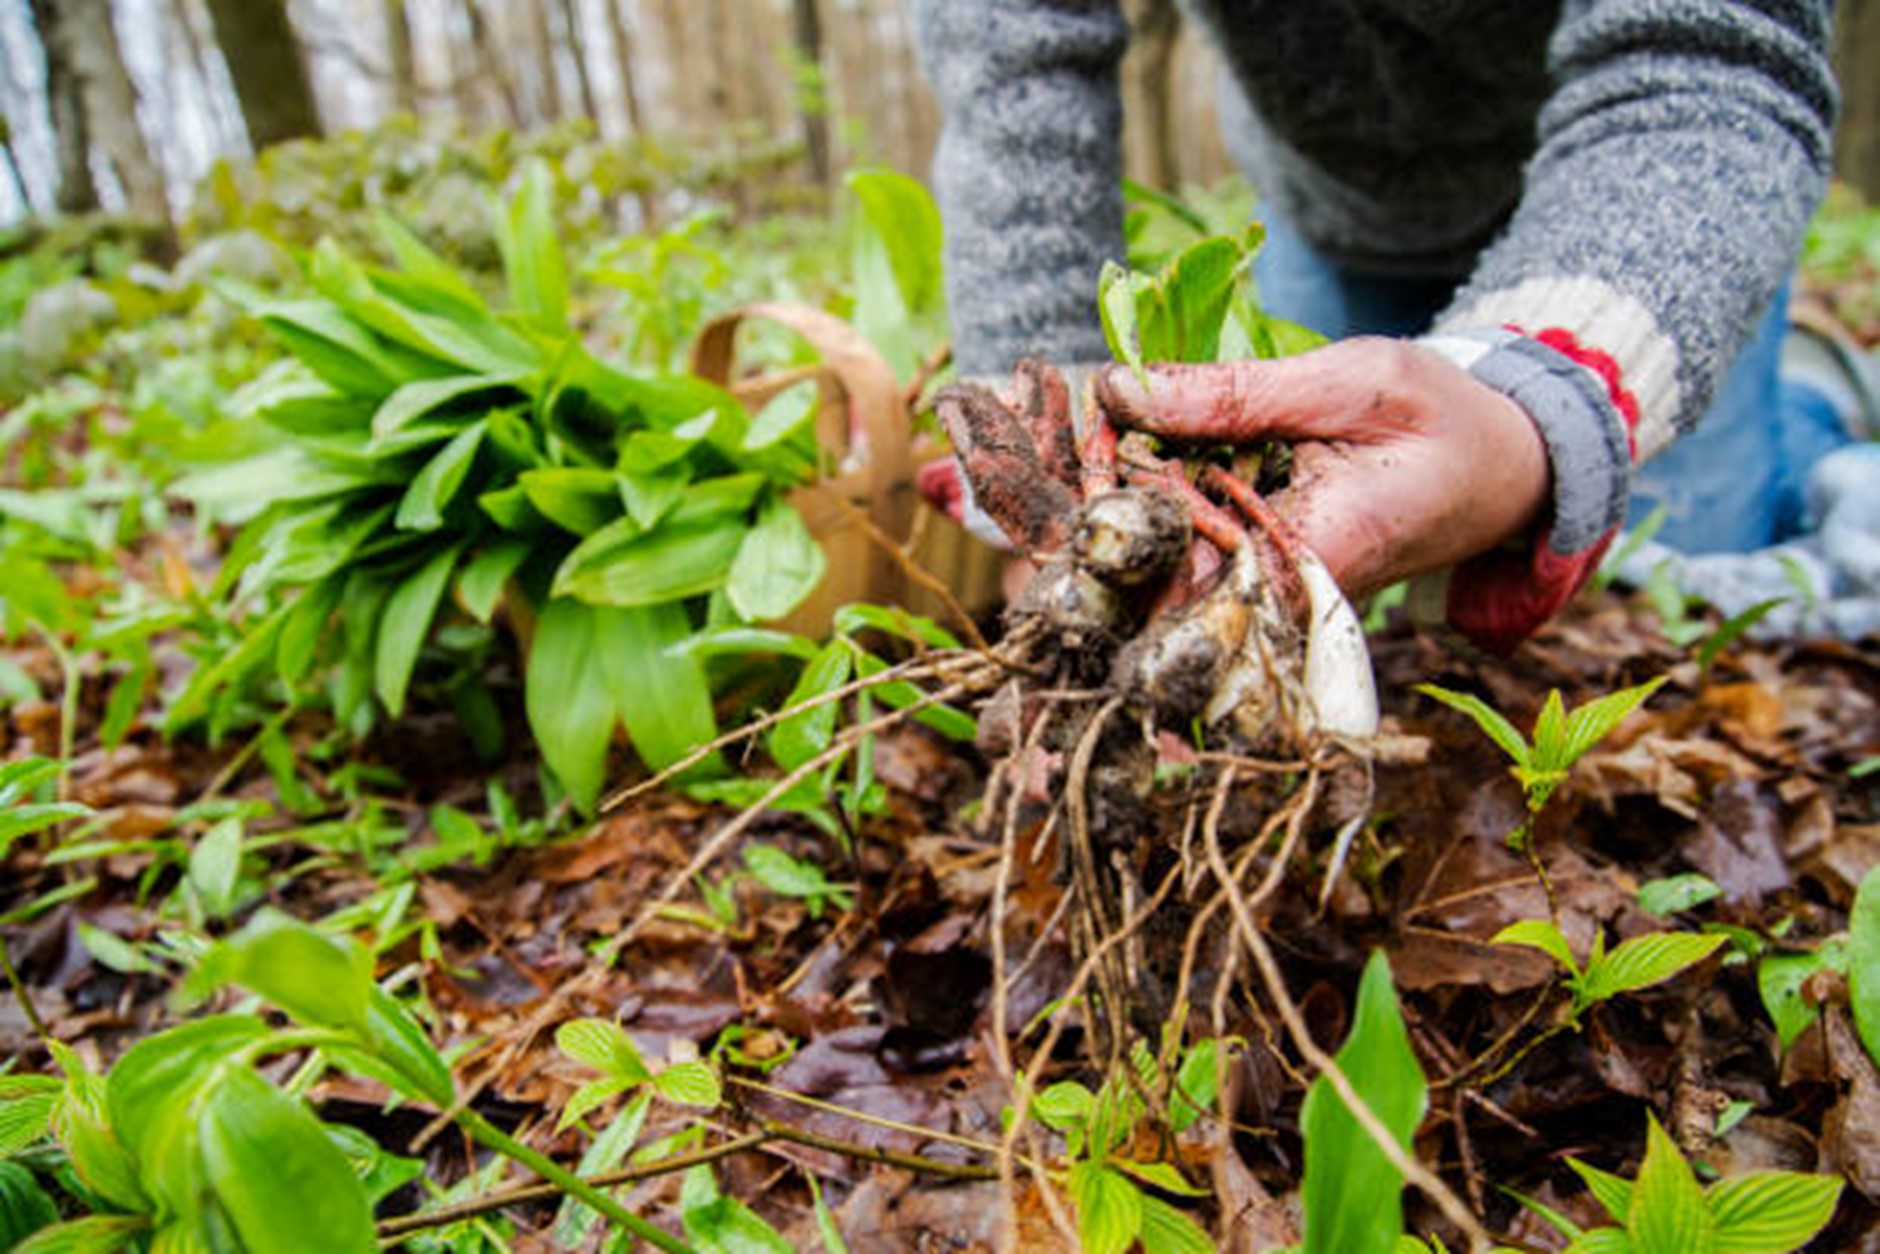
(1731, 486)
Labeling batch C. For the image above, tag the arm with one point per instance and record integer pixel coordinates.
(1678, 162)
(1028, 171)
(1680, 159)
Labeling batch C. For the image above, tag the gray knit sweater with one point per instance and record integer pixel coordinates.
(1626, 181)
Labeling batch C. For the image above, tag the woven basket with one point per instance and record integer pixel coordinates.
(866, 421)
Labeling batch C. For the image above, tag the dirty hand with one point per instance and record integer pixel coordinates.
(1402, 463)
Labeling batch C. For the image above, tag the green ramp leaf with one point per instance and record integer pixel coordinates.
(1771, 1212)
(571, 715)
(1863, 966)
(1353, 1195)
(277, 1175)
(777, 566)
(532, 259)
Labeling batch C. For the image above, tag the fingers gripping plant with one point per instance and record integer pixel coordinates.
(438, 459)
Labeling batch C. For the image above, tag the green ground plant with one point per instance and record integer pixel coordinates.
(1630, 966)
(1560, 738)
(1352, 1193)
(1196, 307)
(438, 461)
(1665, 1211)
(1108, 1184)
(185, 1143)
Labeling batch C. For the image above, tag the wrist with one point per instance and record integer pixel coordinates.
(1584, 418)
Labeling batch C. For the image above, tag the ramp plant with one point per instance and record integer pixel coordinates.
(442, 465)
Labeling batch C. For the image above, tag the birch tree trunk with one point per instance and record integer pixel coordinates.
(12, 164)
(94, 107)
(493, 66)
(549, 103)
(264, 62)
(404, 67)
(623, 61)
(71, 138)
(111, 106)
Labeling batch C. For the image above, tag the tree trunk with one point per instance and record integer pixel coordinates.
(549, 104)
(404, 67)
(689, 93)
(571, 36)
(111, 109)
(1149, 150)
(493, 65)
(1857, 65)
(190, 45)
(727, 96)
(623, 58)
(264, 62)
(12, 164)
(65, 101)
(812, 94)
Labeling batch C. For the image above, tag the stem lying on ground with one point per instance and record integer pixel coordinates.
(393, 1230)
(492, 1137)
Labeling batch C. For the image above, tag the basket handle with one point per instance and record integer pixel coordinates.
(878, 440)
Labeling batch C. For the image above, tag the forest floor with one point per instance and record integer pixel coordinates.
(859, 1017)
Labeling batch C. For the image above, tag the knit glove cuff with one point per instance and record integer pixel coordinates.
(1578, 405)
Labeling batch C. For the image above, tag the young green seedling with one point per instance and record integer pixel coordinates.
(1638, 963)
(1560, 738)
(606, 1047)
(1665, 1211)
(1114, 1211)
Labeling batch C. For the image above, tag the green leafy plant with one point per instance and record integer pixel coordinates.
(1106, 1183)
(1196, 306)
(439, 460)
(187, 1144)
(795, 878)
(20, 813)
(1666, 1211)
(1352, 1193)
(717, 1224)
(1786, 980)
(606, 1047)
(900, 297)
(1635, 964)
(1560, 738)
(1158, 225)
(1675, 893)
(812, 719)
(1863, 965)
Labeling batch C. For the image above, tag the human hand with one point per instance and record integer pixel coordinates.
(1402, 463)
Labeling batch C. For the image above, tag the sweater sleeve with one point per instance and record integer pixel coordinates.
(1679, 160)
(1028, 171)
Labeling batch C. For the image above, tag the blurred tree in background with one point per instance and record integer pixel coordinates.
(127, 104)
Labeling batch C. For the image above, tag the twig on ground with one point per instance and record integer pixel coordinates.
(1274, 980)
(23, 996)
(914, 668)
(401, 1226)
